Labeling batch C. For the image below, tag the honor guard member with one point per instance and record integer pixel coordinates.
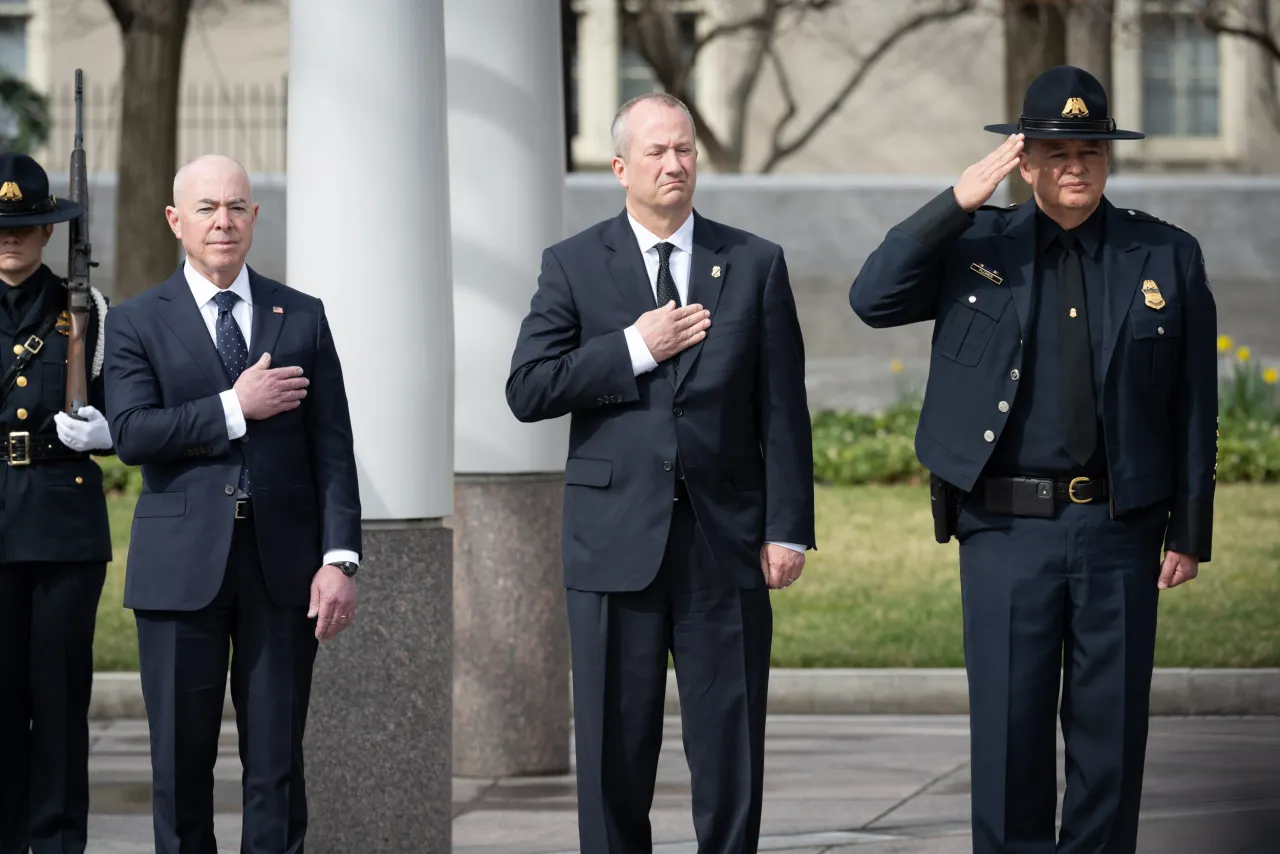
(54, 538)
(1069, 423)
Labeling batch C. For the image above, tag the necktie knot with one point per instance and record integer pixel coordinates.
(226, 300)
(664, 251)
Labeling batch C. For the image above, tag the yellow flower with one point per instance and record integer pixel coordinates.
(1224, 343)
(1243, 354)
(896, 366)
(1270, 375)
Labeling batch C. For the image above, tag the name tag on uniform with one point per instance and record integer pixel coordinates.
(985, 273)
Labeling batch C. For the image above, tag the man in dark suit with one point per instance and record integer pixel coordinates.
(1070, 423)
(226, 387)
(672, 341)
(54, 538)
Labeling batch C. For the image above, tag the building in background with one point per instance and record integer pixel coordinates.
(1207, 103)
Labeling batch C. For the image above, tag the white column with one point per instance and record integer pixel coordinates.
(599, 45)
(506, 141)
(368, 232)
(506, 144)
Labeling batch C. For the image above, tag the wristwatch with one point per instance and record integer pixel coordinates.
(348, 568)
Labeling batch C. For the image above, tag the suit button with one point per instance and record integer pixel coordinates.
(666, 466)
(678, 411)
(973, 299)
(1160, 330)
(22, 382)
(229, 489)
(599, 400)
(1013, 375)
(989, 436)
(1003, 406)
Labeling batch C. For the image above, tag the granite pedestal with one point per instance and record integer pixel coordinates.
(377, 744)
(511, 640)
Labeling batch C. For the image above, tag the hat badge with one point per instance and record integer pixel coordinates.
(9, 192)
(1075, 109)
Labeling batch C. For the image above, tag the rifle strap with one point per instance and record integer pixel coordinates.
(33, 345)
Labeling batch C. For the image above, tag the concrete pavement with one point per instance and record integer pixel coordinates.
(833, 785)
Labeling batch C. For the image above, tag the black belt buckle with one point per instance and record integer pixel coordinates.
(20, 449)
(244, 510)
(1019, 496)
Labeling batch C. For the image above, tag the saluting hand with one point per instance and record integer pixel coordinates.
(667, 330)
(1177, 568)
(979, 181)
(265, 391)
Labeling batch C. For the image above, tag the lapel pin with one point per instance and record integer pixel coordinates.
(985, 273)
(1151, 294)
(715, 272)
(275, 309)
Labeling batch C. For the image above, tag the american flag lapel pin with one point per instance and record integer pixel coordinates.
(275, 309)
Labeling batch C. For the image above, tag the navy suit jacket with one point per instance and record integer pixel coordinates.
(735, 417)
(163, 377)
(1160, 387)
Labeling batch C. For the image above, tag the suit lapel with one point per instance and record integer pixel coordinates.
(1016, 246)
(707, 272)
(1123, 259)
(266, 321)
(627, 267)
(180, 312)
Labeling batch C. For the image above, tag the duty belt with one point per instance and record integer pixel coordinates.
(23, 449)
(1021, 495)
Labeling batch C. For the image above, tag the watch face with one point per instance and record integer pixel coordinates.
(347, 567)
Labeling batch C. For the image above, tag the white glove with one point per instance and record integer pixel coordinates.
(84, 435)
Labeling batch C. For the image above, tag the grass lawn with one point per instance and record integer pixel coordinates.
(881, 593)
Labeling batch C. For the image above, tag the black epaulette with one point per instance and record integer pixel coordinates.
(1146, 217)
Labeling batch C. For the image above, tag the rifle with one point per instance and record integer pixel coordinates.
(79, 260)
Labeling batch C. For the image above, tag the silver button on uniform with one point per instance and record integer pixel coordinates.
(1160, 329)
(972, 298)
(1013, 375)
(1003, 405)
(989, 436)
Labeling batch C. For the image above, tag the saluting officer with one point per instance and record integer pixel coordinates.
(1071, 417)
(54, 537)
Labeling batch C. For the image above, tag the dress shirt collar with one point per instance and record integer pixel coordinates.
(204, 290)
(1089, 233)
(682, 239)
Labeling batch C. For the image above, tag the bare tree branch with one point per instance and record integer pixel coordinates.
(784, 150)
(123, 13)
(1213, 18)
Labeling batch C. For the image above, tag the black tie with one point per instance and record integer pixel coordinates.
(1079, 403)
(234, 353)
(16, 304)
(667, 287)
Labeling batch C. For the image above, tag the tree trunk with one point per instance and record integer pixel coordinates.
(1089, 40)
(1035, 40)
(152, 34)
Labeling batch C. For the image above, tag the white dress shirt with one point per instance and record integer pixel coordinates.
(680, 262)
(204, 291)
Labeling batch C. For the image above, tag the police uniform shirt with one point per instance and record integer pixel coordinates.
(1032, 442)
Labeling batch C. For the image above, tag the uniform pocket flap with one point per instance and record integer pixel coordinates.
(991, 301)
(1149, 323)
(588, 472)
(160, 504)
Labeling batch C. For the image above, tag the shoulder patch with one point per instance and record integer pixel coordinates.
(1146, 217)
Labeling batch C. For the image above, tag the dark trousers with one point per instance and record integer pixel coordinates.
(719, 637)
(184, 658)
(47, 617)
(1065, 601)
